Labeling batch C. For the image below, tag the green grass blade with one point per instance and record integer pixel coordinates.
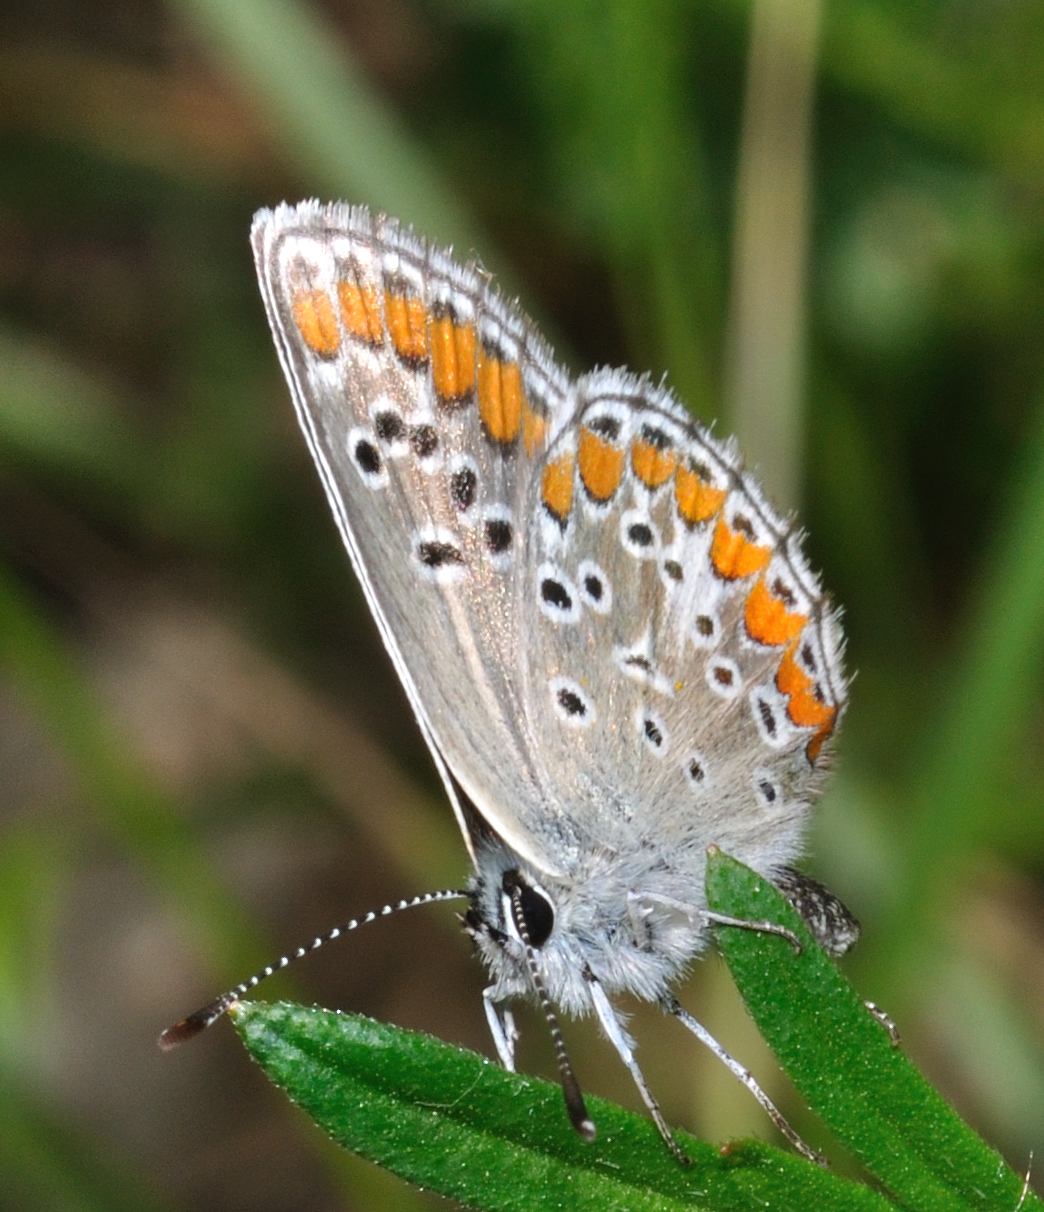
(842, 1061)
(455, 1123)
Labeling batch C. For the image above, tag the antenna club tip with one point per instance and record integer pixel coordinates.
(177, 1033)
(188, 1028)
(586, 1129)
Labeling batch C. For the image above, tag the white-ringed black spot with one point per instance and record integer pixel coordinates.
(388, 426)
(634, 664)
(498, 535)
(463, 486)
(435, 554)
(555, 594)
(571, 704)
(424, 440)
(723, 677)
(595, 590)
(706, 630)
(438, 555)
(367, 457)
(769, 711)
(767, 789)
(768, 717)
(639, 535)
(497, 530)
(695, 771)
(652, 730)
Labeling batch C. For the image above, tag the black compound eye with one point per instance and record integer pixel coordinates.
(537, 911)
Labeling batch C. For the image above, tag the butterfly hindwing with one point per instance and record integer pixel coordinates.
(677, 631)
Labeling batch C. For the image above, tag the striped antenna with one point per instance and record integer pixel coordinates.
(187, 1028)
(576, 1108)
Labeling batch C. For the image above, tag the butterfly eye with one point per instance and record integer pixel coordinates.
(538, 913)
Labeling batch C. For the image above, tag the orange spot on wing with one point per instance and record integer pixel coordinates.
(652, 465)
(697, 500)
(500, 398)
(804, 705)
(316, 322)
(601, 464)
(556, 487)
(360, 311)
(452, 358)
(734, 556)
(407, 326)
(767, 618)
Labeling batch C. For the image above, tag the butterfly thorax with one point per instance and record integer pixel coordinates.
(634, 929)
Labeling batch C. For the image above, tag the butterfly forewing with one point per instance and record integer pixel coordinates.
(427, 404)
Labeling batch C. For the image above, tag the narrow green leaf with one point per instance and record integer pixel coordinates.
(843, 1062)
(456, 1123)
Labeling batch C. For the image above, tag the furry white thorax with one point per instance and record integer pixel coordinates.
(634, 926)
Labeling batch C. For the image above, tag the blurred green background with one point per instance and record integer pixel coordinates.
(823, 222)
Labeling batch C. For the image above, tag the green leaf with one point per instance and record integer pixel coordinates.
(456, 1123)
(844, 1064)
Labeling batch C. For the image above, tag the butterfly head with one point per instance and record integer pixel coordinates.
(594, 925)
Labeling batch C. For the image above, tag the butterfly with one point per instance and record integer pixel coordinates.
(614, 647)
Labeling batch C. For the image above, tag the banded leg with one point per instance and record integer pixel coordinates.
(743, 1074)
(618, 1036)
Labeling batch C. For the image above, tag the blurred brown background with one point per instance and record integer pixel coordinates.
(823, 222)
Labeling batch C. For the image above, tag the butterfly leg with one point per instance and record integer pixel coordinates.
(618, 1036)
(743, 1074)
(501, 1026)
(762, 927)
